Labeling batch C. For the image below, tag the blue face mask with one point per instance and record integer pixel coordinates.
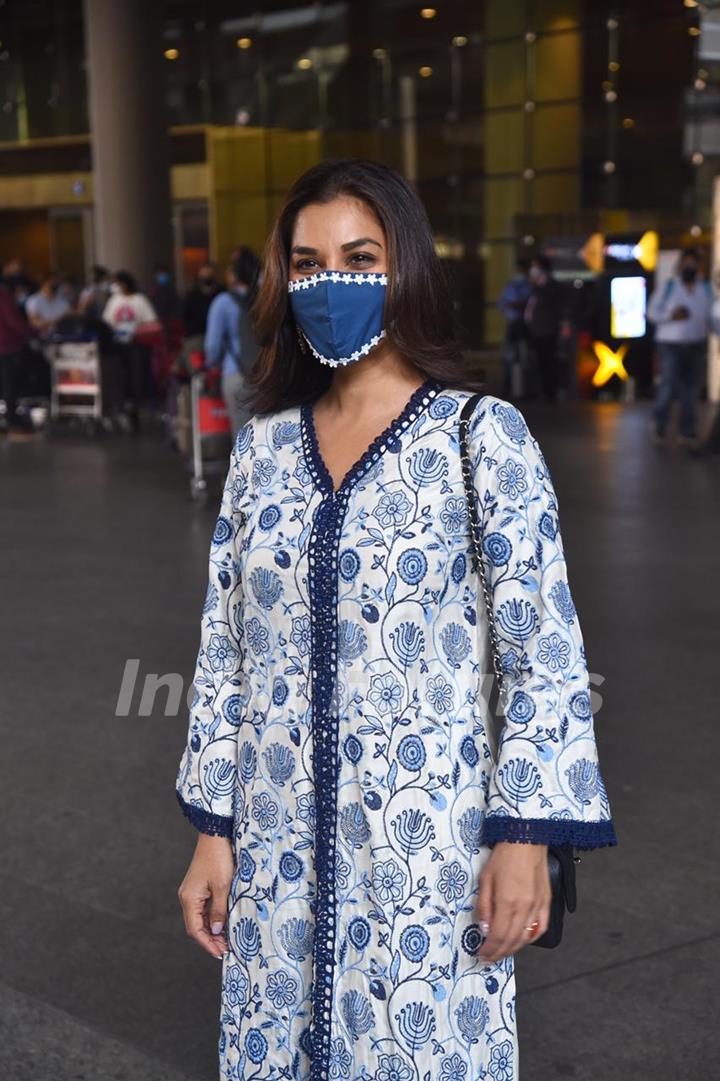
(341, 316)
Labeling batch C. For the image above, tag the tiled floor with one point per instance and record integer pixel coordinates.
(103, 560)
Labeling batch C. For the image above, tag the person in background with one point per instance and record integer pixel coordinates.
(14, 334)
(17, 281)
(541, 319)
(512, 302)
(681, 310)
(45, 307)
(94, 296)
(198, 299)
(164, 295)
(230, 338)
(126, 312)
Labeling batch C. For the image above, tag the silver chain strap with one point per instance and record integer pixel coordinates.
(476, 537)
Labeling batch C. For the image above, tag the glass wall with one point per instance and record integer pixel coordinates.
(512, 116)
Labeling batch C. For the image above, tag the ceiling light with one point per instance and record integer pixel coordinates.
(172, 54)
(694, 31)
(698, 158)
(428, 13)
(425, 71)
(304, 63)
(244, 43)
(613, 66)
(610, 96)
(608, 167)
(459, 41)
(628, 122)
(379, 54)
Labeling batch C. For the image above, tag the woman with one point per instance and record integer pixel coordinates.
(357, 867)
(130, 315)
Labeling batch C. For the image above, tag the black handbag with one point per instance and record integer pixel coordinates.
(561, 858)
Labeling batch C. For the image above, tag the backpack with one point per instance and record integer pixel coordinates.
(249, 347)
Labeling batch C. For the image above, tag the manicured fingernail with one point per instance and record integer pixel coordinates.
(484, 927)
(216, 928)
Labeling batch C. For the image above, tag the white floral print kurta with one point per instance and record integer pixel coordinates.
(340, 735)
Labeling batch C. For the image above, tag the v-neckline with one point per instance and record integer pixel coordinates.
(419, 399)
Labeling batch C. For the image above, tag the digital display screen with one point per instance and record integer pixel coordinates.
(628, 305)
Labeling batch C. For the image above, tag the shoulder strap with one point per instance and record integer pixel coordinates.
(476, 534)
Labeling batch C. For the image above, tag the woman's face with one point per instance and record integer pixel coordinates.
(343, 235)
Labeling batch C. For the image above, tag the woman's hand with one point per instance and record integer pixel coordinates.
(514, 893)
(204, 892)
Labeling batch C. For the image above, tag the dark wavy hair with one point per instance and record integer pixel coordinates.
(418, 310)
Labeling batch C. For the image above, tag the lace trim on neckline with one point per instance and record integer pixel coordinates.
(420, 398)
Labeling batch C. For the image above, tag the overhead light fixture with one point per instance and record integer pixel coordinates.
(425, 71)
(530, 37)
(459, 41)
(304, 63)
(694, 31)
(428, 13)
(613, 66)
(611, 96)
(529, 174)
(691, 3)
(379, 54)
(172, 54)
(695, 230)
(608, 167)
(244, 43)
(628, 123)
(698, 158)
(612, 24)
(529, 106)
(700, 84)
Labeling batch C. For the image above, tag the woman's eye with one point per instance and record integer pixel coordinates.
(362, 258)
(305, 264)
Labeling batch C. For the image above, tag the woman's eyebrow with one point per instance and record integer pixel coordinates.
(357, 243)
(303, 251)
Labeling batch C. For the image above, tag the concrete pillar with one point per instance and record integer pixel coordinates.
(128, 124)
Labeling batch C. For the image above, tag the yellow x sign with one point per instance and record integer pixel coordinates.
(611, 363)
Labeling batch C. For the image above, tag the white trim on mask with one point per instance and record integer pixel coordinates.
(338, 278)
(362, 352)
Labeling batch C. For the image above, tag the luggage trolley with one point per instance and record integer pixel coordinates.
(76, 388)
(211, 430)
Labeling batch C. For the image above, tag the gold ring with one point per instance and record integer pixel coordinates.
(533, 928)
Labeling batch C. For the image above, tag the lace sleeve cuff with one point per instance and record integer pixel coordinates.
(206, 821)
(548, 831)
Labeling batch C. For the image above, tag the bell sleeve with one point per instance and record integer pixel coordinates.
(545, 786)
(207, 775)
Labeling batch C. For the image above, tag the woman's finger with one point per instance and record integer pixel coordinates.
(502, 920)
(195, 908)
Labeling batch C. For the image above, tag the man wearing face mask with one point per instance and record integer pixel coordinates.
(680, 310)
(542, 317)
(198, 299)
(45, 307)
(230, 341)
